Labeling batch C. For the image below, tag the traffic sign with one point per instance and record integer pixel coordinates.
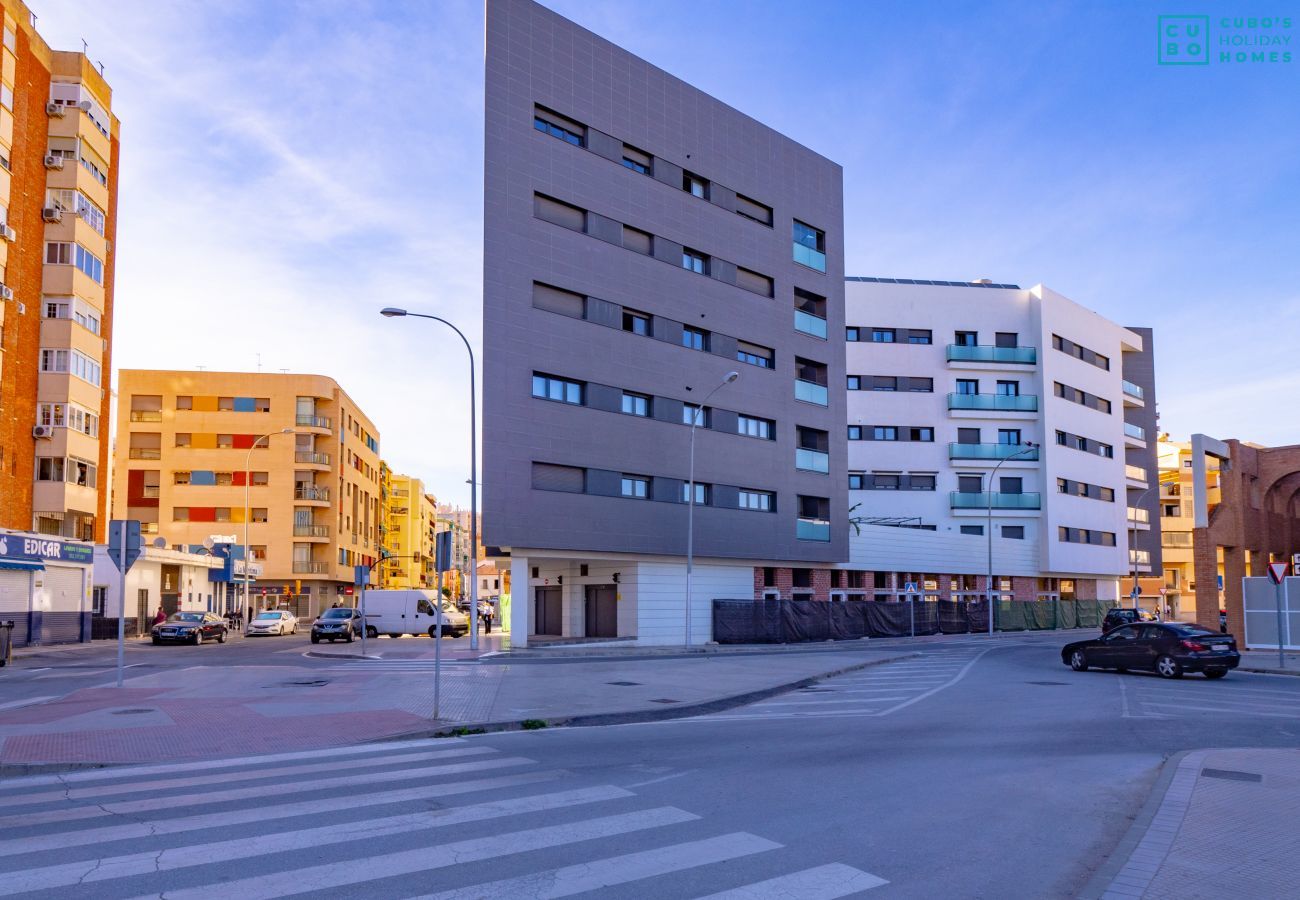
(124, 531)
(1276, 572)
(911, 588)
(1136, 592)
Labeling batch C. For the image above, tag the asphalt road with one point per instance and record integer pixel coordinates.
(972, 771)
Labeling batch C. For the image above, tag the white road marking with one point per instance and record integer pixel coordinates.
(422, 859)
(661, 778)
(965, 670)
(601, 873)
(31, 701)
(827, 882)
(822, 701)
(1222, 709)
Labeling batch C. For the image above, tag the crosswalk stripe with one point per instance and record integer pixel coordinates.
(156, 803)
(408, 862)
(167, 768)
(1223, 709)
(151, 828)
(821, 701)
(822, 883)
(569, 880)
(90, 870)
(249, 775)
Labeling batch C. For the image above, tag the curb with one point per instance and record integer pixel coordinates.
(21, 770)
(1101, 879)
(642, 715)
(1257, 670)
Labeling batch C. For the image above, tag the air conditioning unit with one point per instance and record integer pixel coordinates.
(43, 432)
(9, 234)
(52, 214)
(57, 110)
(6, 292)
(54, 162)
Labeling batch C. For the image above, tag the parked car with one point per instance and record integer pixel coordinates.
(1169, 649)
(190, 628)
(399, 612)
(340, 622)
(1124, 615)
(273, 621)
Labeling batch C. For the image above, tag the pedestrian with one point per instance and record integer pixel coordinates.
(486, 616)
(160, 616)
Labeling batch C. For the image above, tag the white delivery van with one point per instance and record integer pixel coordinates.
(411, 612)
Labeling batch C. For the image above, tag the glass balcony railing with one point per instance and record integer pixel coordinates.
(809, 392)
(1132, 389)
(312, 458)
(813, 530)
(1025, 356)
(998, 402)
(311, 492)
(144, 453)
(310, 568)
(810, 257)
(809, 324)
(312, 421)
(995, 500)
(1140, 516)
(146, 415)
(992, 451)
(812, 460)
(1135, 431)
(1139, 557)
(311, 531)
(1137, 473)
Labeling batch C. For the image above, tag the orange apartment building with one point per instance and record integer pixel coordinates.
(59, 153)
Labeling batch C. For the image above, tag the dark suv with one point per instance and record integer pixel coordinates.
(1124, 616)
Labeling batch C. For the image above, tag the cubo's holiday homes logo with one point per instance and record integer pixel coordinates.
(1224, 40)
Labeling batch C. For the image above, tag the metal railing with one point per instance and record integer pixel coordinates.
(146, 415)
(313, 421)
(1175, 538)
(998, 500)
(1025, 356)
(311, 492)
(995, 402)
(809, 392)
(311, 531)
(992, 451)
(812, 460)
(144, 453)
(311, 457)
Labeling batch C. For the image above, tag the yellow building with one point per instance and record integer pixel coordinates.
(410, 520)
(1176, 534)
(194, 448)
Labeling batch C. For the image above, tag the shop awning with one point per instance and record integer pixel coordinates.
(25, 565)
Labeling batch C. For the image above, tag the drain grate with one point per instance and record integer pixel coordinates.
(131, 712)
(624, 683)
(663, 700)
(1050, 683)
(1231, 775)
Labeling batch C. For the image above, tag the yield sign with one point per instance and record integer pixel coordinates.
(1276, 572)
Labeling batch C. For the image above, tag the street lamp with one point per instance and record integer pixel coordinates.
(248, 478)
(1029, 447)
(690, 497)
(1132, 547)
(391, 312)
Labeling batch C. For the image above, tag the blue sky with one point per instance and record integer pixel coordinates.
(290, 167)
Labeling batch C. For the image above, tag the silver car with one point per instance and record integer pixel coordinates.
(272, 621)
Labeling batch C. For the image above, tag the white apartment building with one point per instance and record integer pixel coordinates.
(948, 385)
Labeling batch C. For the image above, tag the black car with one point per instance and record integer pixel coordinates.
(190, 628)
(339, 623)
(1168, 649)
(1124, 616)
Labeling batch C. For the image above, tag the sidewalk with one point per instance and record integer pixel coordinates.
(1221, 823)
(205, 712)
(1266, 661)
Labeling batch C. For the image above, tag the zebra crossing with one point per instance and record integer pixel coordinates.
(1269, 697)
(434, 818)
(875, 691)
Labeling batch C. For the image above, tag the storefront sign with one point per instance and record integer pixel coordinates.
(15, 546)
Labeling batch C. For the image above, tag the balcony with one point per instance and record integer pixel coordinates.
(311, 493)
(1138, 518)
(310, 568)
(812, 460)
(144, 453)
(813, 530)
(146, 415)
(313, 422)
(994, 500)
(810, 257)
(1019, 356)
(1136, 475)
(994, 402)
(1139, 558)
(1134, 435)
(311, 458)
(809, 324)
(1133, 390)
(311, 531)
(150, 492)
(809, 392)
(992, 452)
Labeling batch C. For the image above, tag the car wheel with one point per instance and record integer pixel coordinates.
(156, 642)
(1168, 667)
(221, 637)
(1215, 673)
(433, 631)
(198, 638)
(314, 639)
(351, 637)
(372, 632)
(1079, 661)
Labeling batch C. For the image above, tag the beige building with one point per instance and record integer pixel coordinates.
(1176, 523)
(411, 523)
(194, 450)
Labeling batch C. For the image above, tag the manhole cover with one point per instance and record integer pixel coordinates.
(1050, 683)
(662, 700)
(1231, 775)
(130, 712)
(624, 683)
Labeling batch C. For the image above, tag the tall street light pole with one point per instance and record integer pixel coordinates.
(1029, 447)
(248, 478)
(393, 312)
(1132, 547)
(690, 497)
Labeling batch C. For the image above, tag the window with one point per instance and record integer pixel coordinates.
(635, 322)
(968, 386)
(1010, 484)
(884, 383)
(882, 481)
(11, 44)
(557, 212)
(227, 441)
(636, 160)
(920, 385)
(180, 477)
(925, 434)
(752, 209)
(754, 355)
(968, 435)
(751, 426)
(695, 261)
(58, 253)
(970, 484)
(754, 282)
(1008, 388)
(258, 514)
(1009, 436)
(1006, 339)
(91, 164)
(695, 185)
(91, 264)
(182, 439)
(567, 479)
(703, 494)
(809, 246)
(921, 482)
(855, 382)
(184, 402)
(852, 334)
(689, 415)
(856, 480)
(855, 432)
(966, 338)
(1172, 510)
(180, 514)
(49, 468)
(635, 486)
(1080, 352)
(1013, 532)
(57, 309)
(884, 433)
(636, 404)
(695, 338)
(1086, 536)
(916, 336)
(556, 125)
(883, 335)
(72, 362)
(638, 241)
(98, 596)
(547, 387)
(763, 501)
(972, 529)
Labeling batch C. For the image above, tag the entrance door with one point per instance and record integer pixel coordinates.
(602, 611)
(548, 611)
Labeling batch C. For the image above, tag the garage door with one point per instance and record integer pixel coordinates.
(15, 602)
(61, 619)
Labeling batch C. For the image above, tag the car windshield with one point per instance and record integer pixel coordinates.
(337, 614)
(1191, 629)
(186, 617)
(269, 615)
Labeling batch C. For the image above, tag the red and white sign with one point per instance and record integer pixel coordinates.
(1276, 572)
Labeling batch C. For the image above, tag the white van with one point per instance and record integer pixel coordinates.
(411, 612)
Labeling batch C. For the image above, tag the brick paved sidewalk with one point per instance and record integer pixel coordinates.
(1224, 827)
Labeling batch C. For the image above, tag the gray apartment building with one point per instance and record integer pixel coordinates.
(642, 241)
(1141, 458)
